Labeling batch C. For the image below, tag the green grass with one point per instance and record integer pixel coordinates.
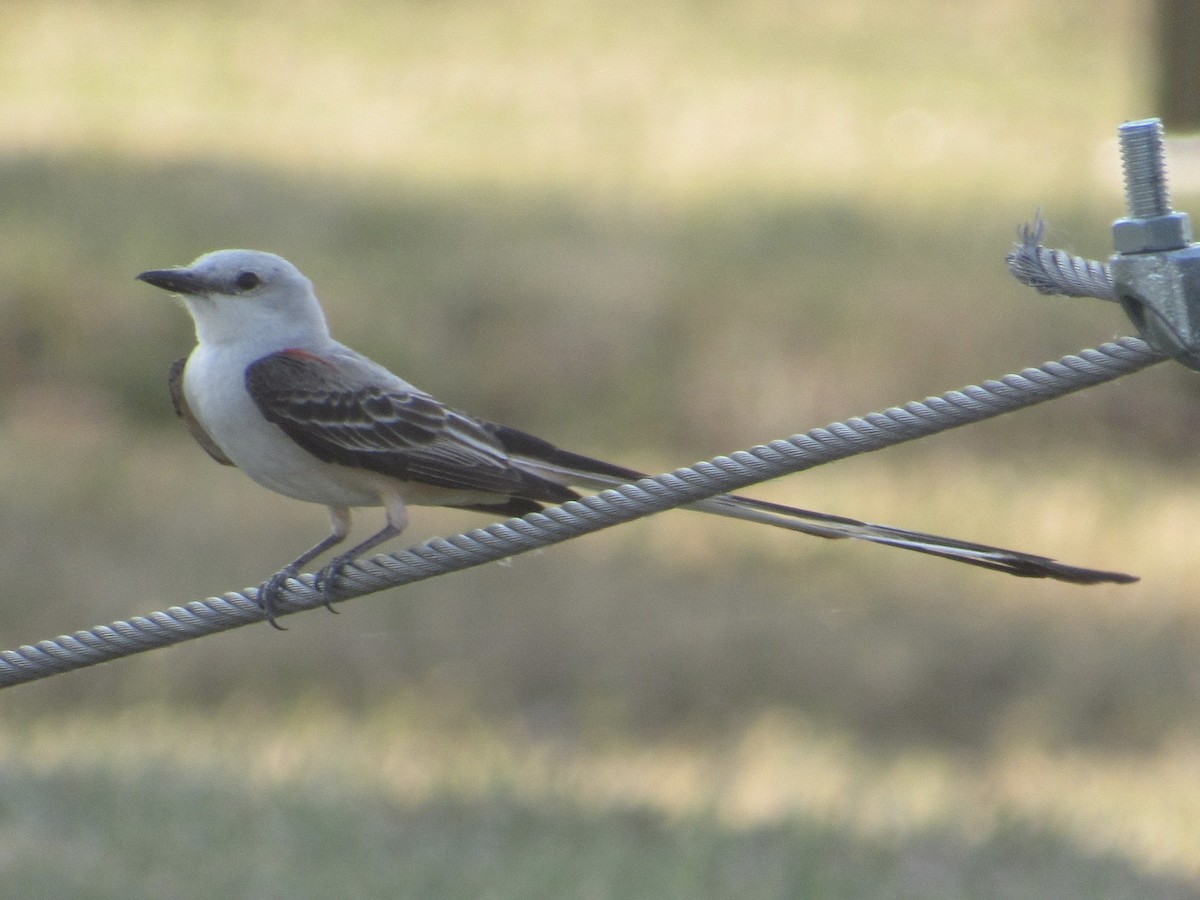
(666, 102)
(400, 803)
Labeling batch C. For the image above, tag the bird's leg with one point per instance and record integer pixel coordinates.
(270, 589)
(397, 520)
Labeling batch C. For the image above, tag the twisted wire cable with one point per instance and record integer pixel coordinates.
(721, 475)
(1056, 271)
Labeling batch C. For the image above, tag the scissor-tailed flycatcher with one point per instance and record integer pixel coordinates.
(267, 389)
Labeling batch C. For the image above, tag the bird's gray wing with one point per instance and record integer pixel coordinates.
(179, 401)
(339, 414)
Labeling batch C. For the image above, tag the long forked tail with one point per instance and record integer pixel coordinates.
(1024, 565)
(564, 466)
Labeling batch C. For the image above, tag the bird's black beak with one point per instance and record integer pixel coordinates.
(177, 281)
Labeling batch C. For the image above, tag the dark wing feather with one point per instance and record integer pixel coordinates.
(519, 443)
(179, 401)
(403, 434)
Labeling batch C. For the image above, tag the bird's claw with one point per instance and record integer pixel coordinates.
(326, 580)
(269, 591)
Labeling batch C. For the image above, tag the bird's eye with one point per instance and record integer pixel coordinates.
(247, 281)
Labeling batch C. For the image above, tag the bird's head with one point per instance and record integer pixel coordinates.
(246, 296)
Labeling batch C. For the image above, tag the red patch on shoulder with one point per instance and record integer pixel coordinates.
(306, 355)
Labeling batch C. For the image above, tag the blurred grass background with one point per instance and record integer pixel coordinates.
(654, 232)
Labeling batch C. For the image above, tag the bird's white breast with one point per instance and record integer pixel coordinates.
(215, 388)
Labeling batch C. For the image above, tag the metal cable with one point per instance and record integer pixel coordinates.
(1056, 271)
(612, 507)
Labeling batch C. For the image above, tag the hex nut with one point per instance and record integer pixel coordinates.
(1169, 232)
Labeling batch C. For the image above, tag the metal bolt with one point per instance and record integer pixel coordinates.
(1151, 226)
(1145, 168)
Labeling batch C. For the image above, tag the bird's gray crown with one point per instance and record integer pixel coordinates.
(229, 273)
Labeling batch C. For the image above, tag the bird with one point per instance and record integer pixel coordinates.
(267, 389)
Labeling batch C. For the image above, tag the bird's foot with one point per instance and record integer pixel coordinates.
(269, 591)
(326, 579)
